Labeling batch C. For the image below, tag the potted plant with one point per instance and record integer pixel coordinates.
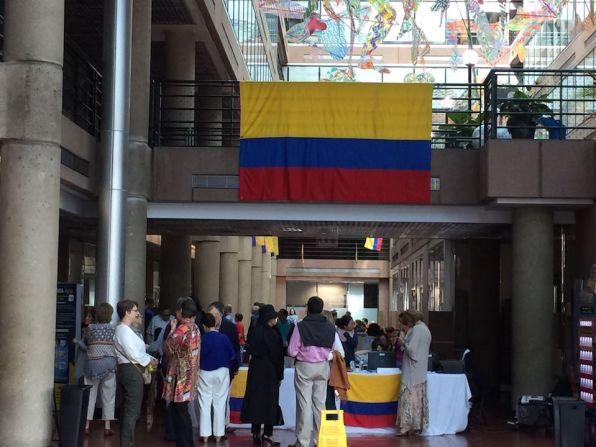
(523, 112)
(459, 133)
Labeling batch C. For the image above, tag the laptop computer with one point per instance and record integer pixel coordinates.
(381, 359)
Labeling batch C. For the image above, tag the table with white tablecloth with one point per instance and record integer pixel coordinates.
(448, 401)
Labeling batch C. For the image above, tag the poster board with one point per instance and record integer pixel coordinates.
(68, 326)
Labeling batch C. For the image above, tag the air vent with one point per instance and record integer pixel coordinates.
(215, 181)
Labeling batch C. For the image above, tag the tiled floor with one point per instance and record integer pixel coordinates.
(495, 434)
(504, 437)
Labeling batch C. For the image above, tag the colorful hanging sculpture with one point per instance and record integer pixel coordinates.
(383, 22)
(282, 8)
(340, 75)
(420, 78)
(530, 23)
(491, 39)
(334, 40)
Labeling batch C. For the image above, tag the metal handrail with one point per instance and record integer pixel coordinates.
(508, 103)
(81, 91)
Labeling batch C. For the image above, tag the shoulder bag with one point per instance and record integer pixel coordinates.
(144, 372)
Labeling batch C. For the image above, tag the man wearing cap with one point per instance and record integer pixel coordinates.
(312, 345)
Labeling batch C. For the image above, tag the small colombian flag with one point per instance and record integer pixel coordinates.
(373, 243)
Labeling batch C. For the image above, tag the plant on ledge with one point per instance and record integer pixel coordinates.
(523, 112)
(459, 132)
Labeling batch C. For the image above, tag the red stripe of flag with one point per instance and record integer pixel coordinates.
(335, 185)
(369, 421)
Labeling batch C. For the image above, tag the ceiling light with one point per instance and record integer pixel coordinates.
(291, 229)
(470, 57)
(447, 103)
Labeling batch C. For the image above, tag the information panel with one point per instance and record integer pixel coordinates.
(68, 327)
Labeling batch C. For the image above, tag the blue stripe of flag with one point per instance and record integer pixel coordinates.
(369, 408)
(236, 403)
(335, 153)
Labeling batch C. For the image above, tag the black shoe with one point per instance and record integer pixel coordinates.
(256, 439)
(268, 441)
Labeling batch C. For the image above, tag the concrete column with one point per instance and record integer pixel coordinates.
(174, 268)
(449, 284)
(75, 262)
(266, 278)
(384, 297)
(206, 274)
(180, 53)
(70, 260)
(149, 271)
(139, 155)
(245, 277)
(256, 286)
(273, 283)
(532, 306)
(425, 291)
(30, 134)
(228, 271)
(209, 115)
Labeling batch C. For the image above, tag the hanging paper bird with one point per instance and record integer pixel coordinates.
(440, 5)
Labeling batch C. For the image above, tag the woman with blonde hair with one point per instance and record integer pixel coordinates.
(414, 340)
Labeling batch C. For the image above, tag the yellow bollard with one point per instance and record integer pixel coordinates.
(333, 431)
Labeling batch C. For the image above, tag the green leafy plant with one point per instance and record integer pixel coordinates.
(523, 112)
(459, 131)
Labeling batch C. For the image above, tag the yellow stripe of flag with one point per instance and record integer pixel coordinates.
(239, 384)
(373, 388)
(336, 110)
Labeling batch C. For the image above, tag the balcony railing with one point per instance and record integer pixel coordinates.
(540, 104)
(81, 91)
(190, 114)
(534, 104)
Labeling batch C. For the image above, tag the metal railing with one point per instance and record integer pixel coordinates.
(535, 104)
(81, 91)
(457, 116)
(540, 104)
(189, 113)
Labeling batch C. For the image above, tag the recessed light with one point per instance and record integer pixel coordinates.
(291, 229)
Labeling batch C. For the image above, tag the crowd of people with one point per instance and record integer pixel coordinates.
(191, 356)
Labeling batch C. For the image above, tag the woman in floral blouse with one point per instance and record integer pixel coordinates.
(182, 348)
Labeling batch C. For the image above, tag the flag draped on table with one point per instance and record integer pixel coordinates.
(372, 401)
(373, 243)
(237, 391)
(335, 142)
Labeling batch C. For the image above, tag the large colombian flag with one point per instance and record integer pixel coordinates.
(372, 400)
(237, 391)
(335, 142)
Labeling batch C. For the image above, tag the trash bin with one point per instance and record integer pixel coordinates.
(74, 400)
(569, 414)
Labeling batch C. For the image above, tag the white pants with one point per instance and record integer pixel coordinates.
(214, 387)
(107, 393)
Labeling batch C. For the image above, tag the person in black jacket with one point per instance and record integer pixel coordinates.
(349, 340)
(265, 373)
